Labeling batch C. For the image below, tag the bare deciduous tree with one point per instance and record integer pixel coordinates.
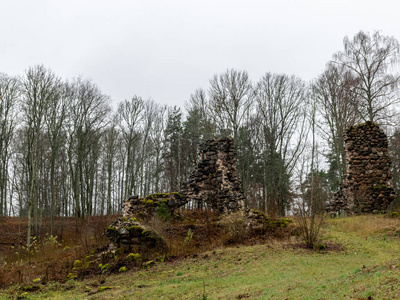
(230, 100)
(9, 95)
(282, 106)
(334, 93)
(40, 87)
(371, 58)
(130, 115)
(89, 109)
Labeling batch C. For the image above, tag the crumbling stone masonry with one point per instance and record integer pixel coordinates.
(215, 180)
(366, 186)
(142, 208)
(134, 236)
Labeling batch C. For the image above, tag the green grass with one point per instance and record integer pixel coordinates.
(369, 265)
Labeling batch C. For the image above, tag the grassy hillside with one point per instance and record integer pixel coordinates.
(363, 263)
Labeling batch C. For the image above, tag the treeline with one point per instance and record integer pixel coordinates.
(64, 152)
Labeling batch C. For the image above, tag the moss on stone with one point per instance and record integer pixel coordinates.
(72, 276)
(177, 194)
(77, 264)
(149, 203)
(122, 269)
(104, 268)
(157, 195)
(103, 288)
(133, 256)
(380, 187)
(275, 223)
(135, 229)
(148, 264)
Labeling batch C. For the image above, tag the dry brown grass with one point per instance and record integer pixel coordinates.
(50, 257)
(367, 225)
(201, 231)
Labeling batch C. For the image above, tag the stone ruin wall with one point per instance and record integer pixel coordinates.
(215, 181)
(134, 206)
(366, 186)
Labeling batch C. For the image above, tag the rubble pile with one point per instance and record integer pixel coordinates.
(135, 237)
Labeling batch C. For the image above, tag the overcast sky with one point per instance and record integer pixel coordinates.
(165, 50)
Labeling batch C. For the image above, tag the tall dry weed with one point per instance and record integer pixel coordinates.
(50, 257)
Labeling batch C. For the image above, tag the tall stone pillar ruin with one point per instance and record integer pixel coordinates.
(366, 186)
(215, 181)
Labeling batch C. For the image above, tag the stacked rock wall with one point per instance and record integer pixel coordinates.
(134, 236)
(134, 206)
(215, 180)
(366, 186)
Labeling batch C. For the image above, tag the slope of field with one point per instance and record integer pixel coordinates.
(365, 264)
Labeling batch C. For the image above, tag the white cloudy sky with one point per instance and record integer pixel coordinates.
(165, 50)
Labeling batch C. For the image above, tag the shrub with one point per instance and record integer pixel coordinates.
(163, 213)
(188, 238)
(235, 227)
(310, 227)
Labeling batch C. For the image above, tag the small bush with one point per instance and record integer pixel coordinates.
(188, 238)
(235, 227)
(310, 228)
(163, 213)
